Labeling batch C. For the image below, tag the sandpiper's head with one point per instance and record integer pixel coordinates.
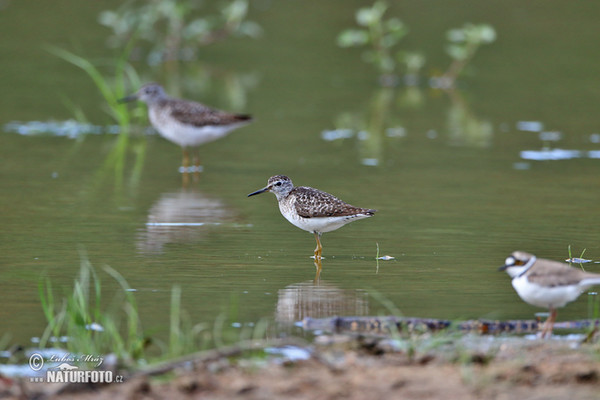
(149, 93)
(281, 185)
(518, 262)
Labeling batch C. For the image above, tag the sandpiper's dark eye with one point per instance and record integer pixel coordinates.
(278, 184)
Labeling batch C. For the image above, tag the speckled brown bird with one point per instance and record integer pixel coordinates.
(311, 209)
(184, 122)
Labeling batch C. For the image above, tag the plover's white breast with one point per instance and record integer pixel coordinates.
(545, 296)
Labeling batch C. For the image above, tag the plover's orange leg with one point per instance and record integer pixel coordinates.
(549, 324)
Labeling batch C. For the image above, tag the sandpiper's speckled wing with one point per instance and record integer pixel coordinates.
(314, 203)
(556, 273)
(196, 114)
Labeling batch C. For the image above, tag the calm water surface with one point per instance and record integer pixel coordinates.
(454, 191)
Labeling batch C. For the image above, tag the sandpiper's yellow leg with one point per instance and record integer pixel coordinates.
(319, 267)
(319, 248)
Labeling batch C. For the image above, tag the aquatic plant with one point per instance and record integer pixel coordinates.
(111, 86)
(578, 260)
(464, 43)
(173, 28)
(380, 35)
(82, 323)
(383, 35)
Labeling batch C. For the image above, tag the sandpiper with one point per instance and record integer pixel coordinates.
(184, 122)
(311, 209)
(546, 283)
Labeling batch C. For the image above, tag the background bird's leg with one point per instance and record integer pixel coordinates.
(185, 161)
(196, 156)
(319, 248)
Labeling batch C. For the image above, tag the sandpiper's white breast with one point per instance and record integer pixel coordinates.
(183, 134)
(315, 224)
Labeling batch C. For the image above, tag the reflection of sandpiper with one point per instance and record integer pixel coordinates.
(311, 209)
(184, 122)
(307, 299)
(182, 217)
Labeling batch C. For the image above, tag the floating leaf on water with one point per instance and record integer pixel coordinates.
(94, 326)
(69, 128)
(530, 126)
(550, 136)
(554, 154)
(191, 169)
(335, 134)
(594, 154)
(577, 260)
(363, 135)
(395, 132)
(370, 162)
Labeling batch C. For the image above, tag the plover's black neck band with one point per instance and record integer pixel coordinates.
(529, 264)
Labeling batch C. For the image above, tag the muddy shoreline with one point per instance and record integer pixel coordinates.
(355, 367)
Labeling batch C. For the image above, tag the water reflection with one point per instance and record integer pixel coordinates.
(318, 299)
(553, 154)
(546, 152)
(381, 121)
(369, 128)
(183, 216)
(70, 128)
(465, 128)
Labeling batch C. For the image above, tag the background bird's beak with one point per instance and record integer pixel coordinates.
(265, 189)
(127, 99)
(502, 268)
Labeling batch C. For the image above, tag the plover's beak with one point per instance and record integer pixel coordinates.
(502, 268)
(265, 189)
(127, 99)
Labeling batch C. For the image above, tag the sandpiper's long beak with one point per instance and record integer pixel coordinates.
(127, 99)
(265, 189)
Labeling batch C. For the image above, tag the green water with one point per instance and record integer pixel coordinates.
(454, 194)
